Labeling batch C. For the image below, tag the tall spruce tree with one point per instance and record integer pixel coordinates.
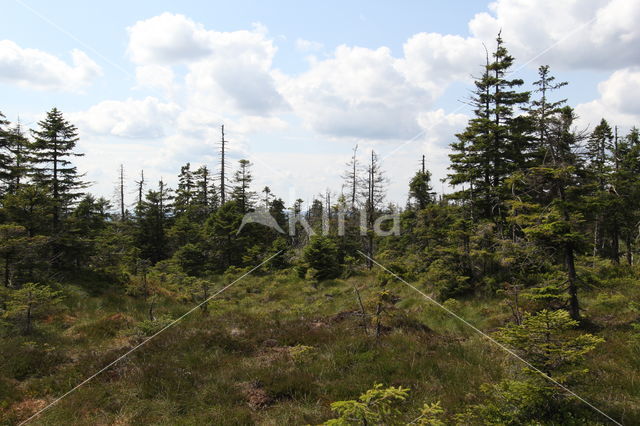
(14, 150)
(185, 191)
(241, 191)
(420, 188)
(51, 153)
(150, 236)
(495, 142)
(627, 190)
(206, 192)
(550, 199)
(542, 110)
(598, 152)
(5, 158)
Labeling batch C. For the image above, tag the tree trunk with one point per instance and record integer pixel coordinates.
(7, 270)
(569, 258)
(615, 244)
(28, 328)
(574, 307)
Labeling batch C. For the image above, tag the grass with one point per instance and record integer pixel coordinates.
(235, 365)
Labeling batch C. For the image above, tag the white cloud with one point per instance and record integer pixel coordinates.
(228, 71)
(366, 93)
(167, 39)
(433, 60)
(599, 34)
(241, 85)
(358, 92)
(145, 119)
(155, 77)
(35, 69)
(308, 45)
(619, 100)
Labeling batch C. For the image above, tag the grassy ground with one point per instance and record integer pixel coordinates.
(275, 349)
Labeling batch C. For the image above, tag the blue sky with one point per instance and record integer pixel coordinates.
(297, 84)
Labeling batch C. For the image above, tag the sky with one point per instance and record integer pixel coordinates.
(297, 84)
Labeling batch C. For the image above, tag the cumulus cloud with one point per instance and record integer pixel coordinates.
(368, 93)
(358, 92)
(167, 39)
(226, 70)
(433, 60)
(598, 34)
(237, 85)
(148, 118)
(619, 100)
(35, 69)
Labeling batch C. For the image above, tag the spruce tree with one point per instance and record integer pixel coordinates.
(185, 191)
(206, 192)
(150, 234)
(598, 151)
(241, 190)
(542, 110)
(495, 142)
(627, 190)
(51, 152)
(420, 189)
(549, 201)
(5, 158)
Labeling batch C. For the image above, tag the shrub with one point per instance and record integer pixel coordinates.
(321, 256)
(376, 406)
(447, 282)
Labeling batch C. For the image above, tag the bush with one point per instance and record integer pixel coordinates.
(376, 406)
(321, 256)
(445, 281)
(149, 327)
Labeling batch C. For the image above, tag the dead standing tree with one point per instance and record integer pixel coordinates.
(374, 193)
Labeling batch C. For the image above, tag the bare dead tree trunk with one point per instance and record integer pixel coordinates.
(122, 212)
(222, 164)
(140, 184)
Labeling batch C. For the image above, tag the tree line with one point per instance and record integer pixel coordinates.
(533, 195)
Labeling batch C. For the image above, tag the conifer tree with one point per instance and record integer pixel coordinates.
(206, 193)
(267, 196)
(14, 151)
(548, 206)
(241, 191)
(5, 159)
(31, 301)
(420, 188)
(495, 142)
(542, 110)
(185, 191)
(51, 151)
(599, 165)
(150, 226)
(627, 190)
